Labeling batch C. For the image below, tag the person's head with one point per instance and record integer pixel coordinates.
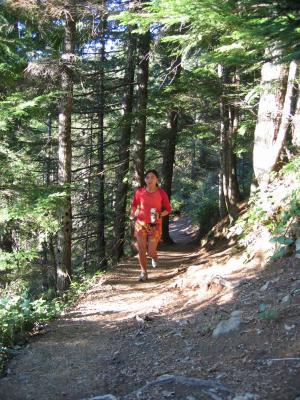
(151, 176)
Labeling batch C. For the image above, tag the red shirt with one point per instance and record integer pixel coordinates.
(146, 200)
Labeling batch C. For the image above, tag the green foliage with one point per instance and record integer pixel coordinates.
(20, 313)
(282, 222)
(264, 209)
(18, 259)
(203, 203)
(267, 314)
(28, 209)
(18, 107)
(208, 208)
(206, 329)
(32, 217)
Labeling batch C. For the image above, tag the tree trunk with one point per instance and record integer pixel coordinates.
(123, 162)
(48, 156)
(64, 268)
(45, 244)
(274, 117)
(143, 47)
(193, 162)
(167, 167)
(222, 204)
(296, 121)
(101, 259)
(169, 151)
(88, 161)
(228, 127)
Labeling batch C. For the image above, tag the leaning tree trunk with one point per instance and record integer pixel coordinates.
(143, 47)
(123, 162)
(274, 117)
(64, 268)
(228, 128)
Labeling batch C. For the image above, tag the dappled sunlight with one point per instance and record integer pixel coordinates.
(166, 326)
(226, 298)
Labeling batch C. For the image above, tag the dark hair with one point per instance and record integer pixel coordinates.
(152, 171)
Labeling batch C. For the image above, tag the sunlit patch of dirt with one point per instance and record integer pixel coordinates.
(123, 333)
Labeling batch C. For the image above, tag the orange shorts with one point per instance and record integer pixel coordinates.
(141, 229)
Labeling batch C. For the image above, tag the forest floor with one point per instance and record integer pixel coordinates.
(123, 334)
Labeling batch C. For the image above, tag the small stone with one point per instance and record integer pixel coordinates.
(140, 320)
(181, 388)
(295, 292)
(262, 308)
(265, 287)
(288, 328)
(104, 397)
(286, 299)
(167, 394)
(246, 396)
(296, 284)
(213, 368)
(230, 325)
(184, 322)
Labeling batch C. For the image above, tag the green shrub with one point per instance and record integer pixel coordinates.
(19, 313)
(264, 209)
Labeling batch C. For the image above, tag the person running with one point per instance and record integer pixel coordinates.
(149, 205)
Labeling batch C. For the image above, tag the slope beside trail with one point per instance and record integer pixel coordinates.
(123, 334)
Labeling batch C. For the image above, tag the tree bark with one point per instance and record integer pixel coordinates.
(46, 275)
(88, 195)
(194, 161)
(169, 151)
(228, 127)
(296, 119)
(64, 267)
(274, 117)
(123, 161)
(101, 258)
(222, 204)
(143, 48)
(167, 168)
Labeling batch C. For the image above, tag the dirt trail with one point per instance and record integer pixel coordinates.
(123, 334)
(85, 351)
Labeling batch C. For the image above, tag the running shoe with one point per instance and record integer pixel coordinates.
(143, 277)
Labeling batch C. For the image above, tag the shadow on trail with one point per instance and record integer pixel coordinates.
(171, 256)
(107, 345)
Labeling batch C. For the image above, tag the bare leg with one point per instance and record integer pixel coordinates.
(152, 247)
(142, 247)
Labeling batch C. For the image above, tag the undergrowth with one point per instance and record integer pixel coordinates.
(20, 314)
(277, 208)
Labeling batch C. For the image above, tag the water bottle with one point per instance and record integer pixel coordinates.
(153, 215)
